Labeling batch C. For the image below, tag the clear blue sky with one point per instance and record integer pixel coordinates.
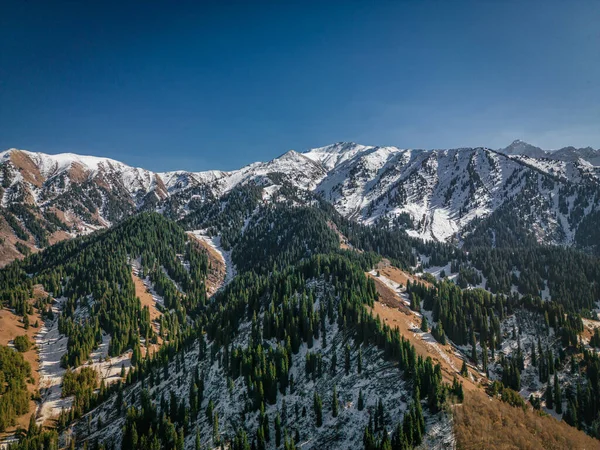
(199, 85)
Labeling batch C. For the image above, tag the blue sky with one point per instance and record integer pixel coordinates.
(216, 85)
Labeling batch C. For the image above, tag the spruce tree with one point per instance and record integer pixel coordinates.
(277, 431)
(464, 371)
(424, 324)
(557, 395)
(198, 442)
(347, 360)
(318, 408)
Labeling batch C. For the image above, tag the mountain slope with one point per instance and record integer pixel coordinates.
(433, 194)
(292, 345)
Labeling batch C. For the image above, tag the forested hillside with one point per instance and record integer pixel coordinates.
(289, 353)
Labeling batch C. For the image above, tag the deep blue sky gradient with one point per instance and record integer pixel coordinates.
(216, 85)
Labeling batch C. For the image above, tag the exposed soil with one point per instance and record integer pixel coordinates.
(161, 189)
(8, 251)
(589, 326)
(141, 291)
(27, 167)
(58, 236)
(218, 269)
(77, 173)
(393, 311)
(11, 326)
(399, 276)
(344, 244)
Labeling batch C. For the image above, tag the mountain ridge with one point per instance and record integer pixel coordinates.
(432, 194)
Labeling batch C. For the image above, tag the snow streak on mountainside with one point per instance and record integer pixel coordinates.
(433, 194)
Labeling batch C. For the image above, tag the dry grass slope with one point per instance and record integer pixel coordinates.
(485, 423)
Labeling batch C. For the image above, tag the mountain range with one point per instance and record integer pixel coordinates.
(432, 194)
(349, 296)
(587, 154)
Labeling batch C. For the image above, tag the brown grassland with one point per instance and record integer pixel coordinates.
(217, 272)
(393, 312)
(11, 326)
(141, 292)
(481, 422)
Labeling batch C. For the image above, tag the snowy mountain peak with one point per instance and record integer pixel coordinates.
(519, 147)
(50, 165)
(433, 194)
(331, 156)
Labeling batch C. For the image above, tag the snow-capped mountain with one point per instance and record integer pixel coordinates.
(433, 194)
(518, 147)
(442, 191)
(572, 154)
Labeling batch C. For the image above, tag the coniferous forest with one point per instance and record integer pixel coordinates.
(292, 334)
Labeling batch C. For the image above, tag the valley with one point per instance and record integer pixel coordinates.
(287, 305)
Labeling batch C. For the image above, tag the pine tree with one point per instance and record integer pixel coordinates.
(369, 440)
(180, 440)
(198, 441)
(361, 401)
(557, 395)
(216, 427)
(266, 428)
(424, 324)
(318, 407)
(473, 348)
(33, 429)
(333, 362)
(464, 371)
(380, 414)
(277, 431)
(549, 396)
(415, 302)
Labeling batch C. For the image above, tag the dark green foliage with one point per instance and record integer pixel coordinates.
(282, 236)
(271, 293)
(16, 226)
(37, 226)
(98, 267)
(571, 275)
(318, 409)
(225, 216)
(424, 324)
(22, 248)
(14, 398)
(512, 398)
(334, 402)
(22, 343)
(145, 428)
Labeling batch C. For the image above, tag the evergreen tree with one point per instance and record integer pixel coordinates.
(318, 408)
(347, 360)
(557, 395)
(464, 371)
(277, 431)
(424, 324)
